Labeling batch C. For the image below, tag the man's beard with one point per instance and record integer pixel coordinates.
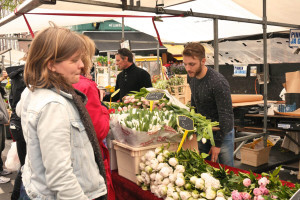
(197, 72)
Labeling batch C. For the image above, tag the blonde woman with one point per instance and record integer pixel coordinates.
(63, 157)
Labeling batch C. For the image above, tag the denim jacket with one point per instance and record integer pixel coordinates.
(60, 162)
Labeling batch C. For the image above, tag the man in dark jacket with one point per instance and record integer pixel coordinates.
(15, 73)
(132, 78)
(211, 97)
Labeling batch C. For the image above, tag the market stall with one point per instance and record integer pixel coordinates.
(204, 132)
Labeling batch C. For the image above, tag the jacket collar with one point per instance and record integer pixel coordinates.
(131, 67)
(69, 96)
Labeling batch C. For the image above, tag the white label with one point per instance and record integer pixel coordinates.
(294, 37)
(284, 126)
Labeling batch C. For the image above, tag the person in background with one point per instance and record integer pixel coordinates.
(15, 74)
(99, 114)
(4, 118)
(211, 97)
(132, 78)
(63, 158)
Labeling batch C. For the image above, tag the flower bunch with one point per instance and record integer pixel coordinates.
(144, 120)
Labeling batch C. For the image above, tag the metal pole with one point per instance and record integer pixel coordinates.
(158, 64)
(212, 16)
(108, 67)
(9, 59)
(123, 37)
(265, 65)
(216, 45)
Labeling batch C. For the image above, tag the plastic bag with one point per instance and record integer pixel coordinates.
(135, 138)
(12, 162)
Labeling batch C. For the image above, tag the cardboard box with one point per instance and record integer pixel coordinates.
(292, 82)
(254, 157)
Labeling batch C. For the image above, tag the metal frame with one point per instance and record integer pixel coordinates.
(35, 3)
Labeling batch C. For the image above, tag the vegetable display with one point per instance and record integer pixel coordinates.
(186, 176)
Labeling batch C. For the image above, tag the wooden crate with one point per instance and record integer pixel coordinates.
(177, 90)
(184, 76)
(188, 93)
(254, 157)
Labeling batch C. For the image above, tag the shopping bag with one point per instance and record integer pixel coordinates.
(12, 162)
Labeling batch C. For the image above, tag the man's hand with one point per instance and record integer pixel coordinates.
(214, 151)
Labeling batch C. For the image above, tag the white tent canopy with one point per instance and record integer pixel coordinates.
(188, 29)
(277, 10)
(176, 29)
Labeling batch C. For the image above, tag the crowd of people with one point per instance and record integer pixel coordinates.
(60, 123)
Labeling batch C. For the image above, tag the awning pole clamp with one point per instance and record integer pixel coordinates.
(188, 13)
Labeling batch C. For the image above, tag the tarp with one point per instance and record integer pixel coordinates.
(179, 30)
(277, 10)
(189, 29)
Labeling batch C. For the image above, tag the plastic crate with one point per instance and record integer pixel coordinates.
(128, 158)
(112, 154)
(254, 157)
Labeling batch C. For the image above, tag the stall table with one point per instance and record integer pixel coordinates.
(128, 190)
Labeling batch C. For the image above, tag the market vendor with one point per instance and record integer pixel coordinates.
(211, 97)
(132, 78)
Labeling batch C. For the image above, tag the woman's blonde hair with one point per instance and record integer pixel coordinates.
(88, 55)
(53, 44)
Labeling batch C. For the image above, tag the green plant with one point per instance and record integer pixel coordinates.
(103, 60)
(178, 69)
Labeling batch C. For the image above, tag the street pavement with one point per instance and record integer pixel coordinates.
(6, 188)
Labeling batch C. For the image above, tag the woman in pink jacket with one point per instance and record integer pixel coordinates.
(98, 113)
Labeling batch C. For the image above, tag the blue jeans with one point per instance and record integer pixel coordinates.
(23, 194)
(227, 149)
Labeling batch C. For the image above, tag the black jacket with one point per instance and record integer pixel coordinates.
(15, 73)
(131, 79)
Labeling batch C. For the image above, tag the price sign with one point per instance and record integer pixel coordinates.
(112, 95)
(187, 124)
(154, 96)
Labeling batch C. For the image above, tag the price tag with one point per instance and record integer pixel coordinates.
(112, 95)
(154, 96)
(187, 124)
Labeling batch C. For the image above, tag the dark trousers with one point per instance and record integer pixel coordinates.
(2, 144)
(21, 148)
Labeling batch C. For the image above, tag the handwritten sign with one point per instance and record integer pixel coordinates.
(155, 96)
(186, 124)
(294, 37)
